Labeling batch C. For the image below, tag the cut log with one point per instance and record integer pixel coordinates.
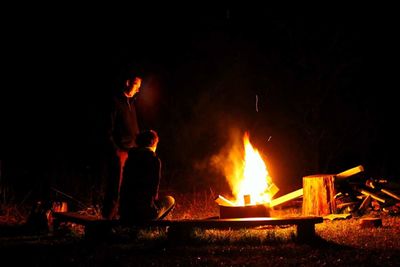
(287, 197)
(367, 193)
(350, 172)
(273, 189)
(370, 222)
(390, 193)
(319, 195)
(365, 204)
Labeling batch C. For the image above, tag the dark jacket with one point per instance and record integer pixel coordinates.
(123, 123)
(139, 189)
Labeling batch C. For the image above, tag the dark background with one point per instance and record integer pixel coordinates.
(315, 89)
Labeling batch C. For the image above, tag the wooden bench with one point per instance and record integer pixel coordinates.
(182, 229)
(93, 225)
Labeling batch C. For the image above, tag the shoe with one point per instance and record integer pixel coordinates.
(166, 205)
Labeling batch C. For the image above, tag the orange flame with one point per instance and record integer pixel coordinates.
(252, 177)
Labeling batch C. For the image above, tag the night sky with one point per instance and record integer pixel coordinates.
(314, 89)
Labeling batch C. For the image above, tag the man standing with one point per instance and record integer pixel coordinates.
(122, 129)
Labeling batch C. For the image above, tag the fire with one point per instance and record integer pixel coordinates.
(252, 177)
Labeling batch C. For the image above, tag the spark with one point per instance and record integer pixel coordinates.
(256, 103)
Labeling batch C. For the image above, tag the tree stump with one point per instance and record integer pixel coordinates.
(318, 195)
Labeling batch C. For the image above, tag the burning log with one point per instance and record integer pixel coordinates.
(247, 199)
(273, 189)
(220, 200)
(319, 194)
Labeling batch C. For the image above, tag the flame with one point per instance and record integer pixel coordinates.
(253, 177)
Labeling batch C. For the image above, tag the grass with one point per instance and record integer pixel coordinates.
(342, 243)
(196, 205)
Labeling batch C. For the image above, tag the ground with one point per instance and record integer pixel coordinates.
(340, 243)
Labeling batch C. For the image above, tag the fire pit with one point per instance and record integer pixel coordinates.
(227, 212)
(251, 185)
(228, 209)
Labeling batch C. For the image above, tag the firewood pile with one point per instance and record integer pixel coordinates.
(359, 195)
(349, 194)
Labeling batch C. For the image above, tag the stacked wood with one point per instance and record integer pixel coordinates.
(374, 196)
(318, 195)
(371, 195)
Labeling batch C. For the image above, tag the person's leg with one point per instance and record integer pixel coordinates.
(165, 205)
(123, 156)
(112, 184)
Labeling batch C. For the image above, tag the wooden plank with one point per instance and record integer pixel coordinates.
(367, 193)
(390, 193)
(180, 230)
(208, 223)
(238, 222)
(287, 197)
(364, 205)
(350, 172)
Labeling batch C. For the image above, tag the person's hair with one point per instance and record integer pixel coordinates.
(147, 138)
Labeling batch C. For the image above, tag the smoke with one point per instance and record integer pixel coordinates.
(227, 162)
